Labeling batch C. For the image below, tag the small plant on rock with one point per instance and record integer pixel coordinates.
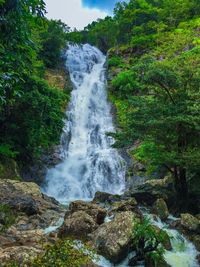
(148, 242)
(64, 253)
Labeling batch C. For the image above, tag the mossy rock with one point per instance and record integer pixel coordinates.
(7, 217)
(9, 170)
(160, 208)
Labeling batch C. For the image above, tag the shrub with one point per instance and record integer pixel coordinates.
(125, 84)
(114, 61)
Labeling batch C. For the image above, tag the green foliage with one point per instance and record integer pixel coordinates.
(63, 253)
(53, 39)
(125, 84)
(6, 151)
(114, 61)
(149, 240)
(76, 37)
(7, 217)
(163, 114)
(30, 111)
(39, 121)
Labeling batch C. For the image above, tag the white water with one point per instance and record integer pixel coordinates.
(54, 227)
(89, 163)
(183, 253)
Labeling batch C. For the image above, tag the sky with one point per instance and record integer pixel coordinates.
(79, 13)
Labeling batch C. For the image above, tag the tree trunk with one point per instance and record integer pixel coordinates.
(181, 187)
(180, 171)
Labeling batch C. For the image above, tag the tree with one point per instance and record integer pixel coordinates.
(53, 40)
(166, 116)
(30, 111)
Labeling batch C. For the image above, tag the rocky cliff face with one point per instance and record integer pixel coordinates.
(24, 214)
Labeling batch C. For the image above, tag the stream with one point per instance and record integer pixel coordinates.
(89, 163)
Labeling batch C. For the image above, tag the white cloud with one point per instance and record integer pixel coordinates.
(72, 12)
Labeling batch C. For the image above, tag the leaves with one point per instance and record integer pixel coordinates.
(30, 110)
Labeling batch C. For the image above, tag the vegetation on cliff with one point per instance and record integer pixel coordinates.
(31, 110)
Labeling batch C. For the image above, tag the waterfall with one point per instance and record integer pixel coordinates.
(89, 164)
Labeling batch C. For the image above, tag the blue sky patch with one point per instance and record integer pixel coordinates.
(107, 5)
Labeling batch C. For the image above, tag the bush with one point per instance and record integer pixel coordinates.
(6, 151)
(114, 61)
(125, 84)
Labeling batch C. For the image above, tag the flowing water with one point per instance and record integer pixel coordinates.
(183, 253)
(89, 163)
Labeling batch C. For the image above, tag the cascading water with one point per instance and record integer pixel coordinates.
(89, 163)
(183, 253)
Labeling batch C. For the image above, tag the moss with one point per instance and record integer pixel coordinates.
(9, 170)
(7, 217)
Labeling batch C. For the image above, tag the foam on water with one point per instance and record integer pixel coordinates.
(183, 253)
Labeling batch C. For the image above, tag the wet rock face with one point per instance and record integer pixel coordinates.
(149, 262)
(103, 197)
(151, 190)
(189, 226)
(160, 208)
(33, 213)
(124, 205)
(25, 197)
(112, 239)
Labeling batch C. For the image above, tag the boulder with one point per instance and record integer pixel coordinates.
(97, 213)
(103, 197)
(189, 222)
(151, 190)
(113, 239)
(26, 197)
(13, 236)
(124, 205)
(160, 208)
(78, 224)
(20, 254)
(149, 262)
